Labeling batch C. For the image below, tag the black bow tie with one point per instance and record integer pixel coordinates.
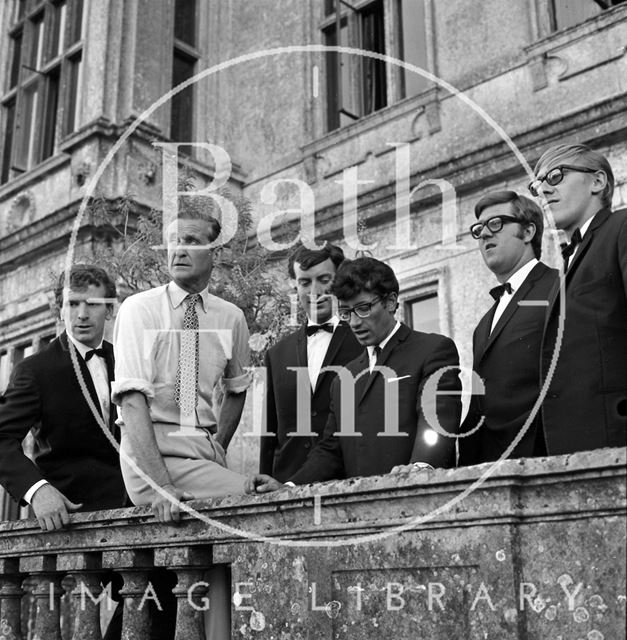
(95, 352)
(314, 328)
(497, 292)
(569, 249)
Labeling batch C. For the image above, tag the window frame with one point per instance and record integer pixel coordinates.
(55, 93)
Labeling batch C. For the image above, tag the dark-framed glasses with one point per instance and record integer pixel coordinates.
(362, 310)
(494, 224)
(555, 176)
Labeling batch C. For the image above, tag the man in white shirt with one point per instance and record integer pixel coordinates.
(506, 342)
(173, 345)
(293, 425)
(586, 401)
(76, 465)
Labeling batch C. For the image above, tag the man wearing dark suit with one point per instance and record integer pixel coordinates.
(388, 421)
(506, 342)
(75, 467)
(586, 400)
(322, 342)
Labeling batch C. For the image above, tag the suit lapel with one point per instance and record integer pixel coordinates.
(482, 333)
(389, 348)
(339, 335)
(301, 347)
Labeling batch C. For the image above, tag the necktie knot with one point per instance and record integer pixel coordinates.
(94, 352)
(569, 249)
(314, 328)
(497, 292)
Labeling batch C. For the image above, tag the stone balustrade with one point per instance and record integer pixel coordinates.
(528, 549)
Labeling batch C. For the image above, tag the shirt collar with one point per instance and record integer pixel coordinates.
(80, 347)
(586, 225)
(177, 295)
(382, 344)
(519, 276)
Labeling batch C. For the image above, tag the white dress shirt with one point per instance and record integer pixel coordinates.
(515, 282)
(317, 347)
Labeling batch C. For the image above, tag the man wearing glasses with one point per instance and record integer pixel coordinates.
(586, 401)
(379, 416)
(506, 342)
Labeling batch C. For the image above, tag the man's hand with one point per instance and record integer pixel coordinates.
(52, 508)
(166, 507)
(262, 483)
(415, 466)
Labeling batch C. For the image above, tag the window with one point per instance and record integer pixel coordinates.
(41, 99)
(567, 13)
(5, 370)
(358, 85)
(423, 314)
(183, 67)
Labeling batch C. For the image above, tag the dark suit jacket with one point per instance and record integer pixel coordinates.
(282, 455)
(586, 402)
(413, 356)
(71, 451)
(508, 361)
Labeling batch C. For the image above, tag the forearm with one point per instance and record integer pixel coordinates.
(139, 430)
(230, 415)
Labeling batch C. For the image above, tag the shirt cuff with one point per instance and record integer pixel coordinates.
(238, 384)
(289, 484)
(28, 496)
(120, 387)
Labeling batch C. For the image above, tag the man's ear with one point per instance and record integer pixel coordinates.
(109, 313)
(599, 182)
(529, 232)
(391, 302)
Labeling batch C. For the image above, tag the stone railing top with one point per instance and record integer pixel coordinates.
(573, 486)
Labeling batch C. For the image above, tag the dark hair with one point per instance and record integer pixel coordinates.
(522, 207)
(584, 156)
(308, 258)
(199, 208)
(364, 274)
(81, 276)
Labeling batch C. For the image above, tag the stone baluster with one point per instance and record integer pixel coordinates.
(190, 564)
(133, 566)
(47, 594)
(87, 592)
(10, 599)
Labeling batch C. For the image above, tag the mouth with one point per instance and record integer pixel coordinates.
(489, 245)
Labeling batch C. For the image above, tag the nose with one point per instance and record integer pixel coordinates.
(83, 310)
(485, 232)
(354, 321)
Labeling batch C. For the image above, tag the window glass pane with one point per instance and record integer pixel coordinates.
(75, 32)
(333, 107)
(181, 119)
(26, 138)
(73, 95)
(185, 21)
(36, 47)
(424, 314)
(329, 7)
(571, 12)
(9, 114)
(411, 18)
(20, 9)
(50, 113)
(373, 71)
(16, 59)
(4, 371)
(56, 28)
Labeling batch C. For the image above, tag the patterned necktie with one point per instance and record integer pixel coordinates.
(569, 249)
(497, 292)
(186, 387)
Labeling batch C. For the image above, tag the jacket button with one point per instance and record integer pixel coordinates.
(307, 445)
(314, 413)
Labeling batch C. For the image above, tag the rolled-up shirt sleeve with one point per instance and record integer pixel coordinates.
(134, 366)
(236, 378)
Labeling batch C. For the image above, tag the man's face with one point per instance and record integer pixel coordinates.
(374, 329)
(84, 313)
(312, 288)
(189, 260)
(575, 198)
(505, 251)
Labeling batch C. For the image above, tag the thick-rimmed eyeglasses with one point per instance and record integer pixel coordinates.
(362, 310)
(555, 176)
(494, 224)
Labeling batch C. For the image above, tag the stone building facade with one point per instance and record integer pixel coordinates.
(383, 158)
